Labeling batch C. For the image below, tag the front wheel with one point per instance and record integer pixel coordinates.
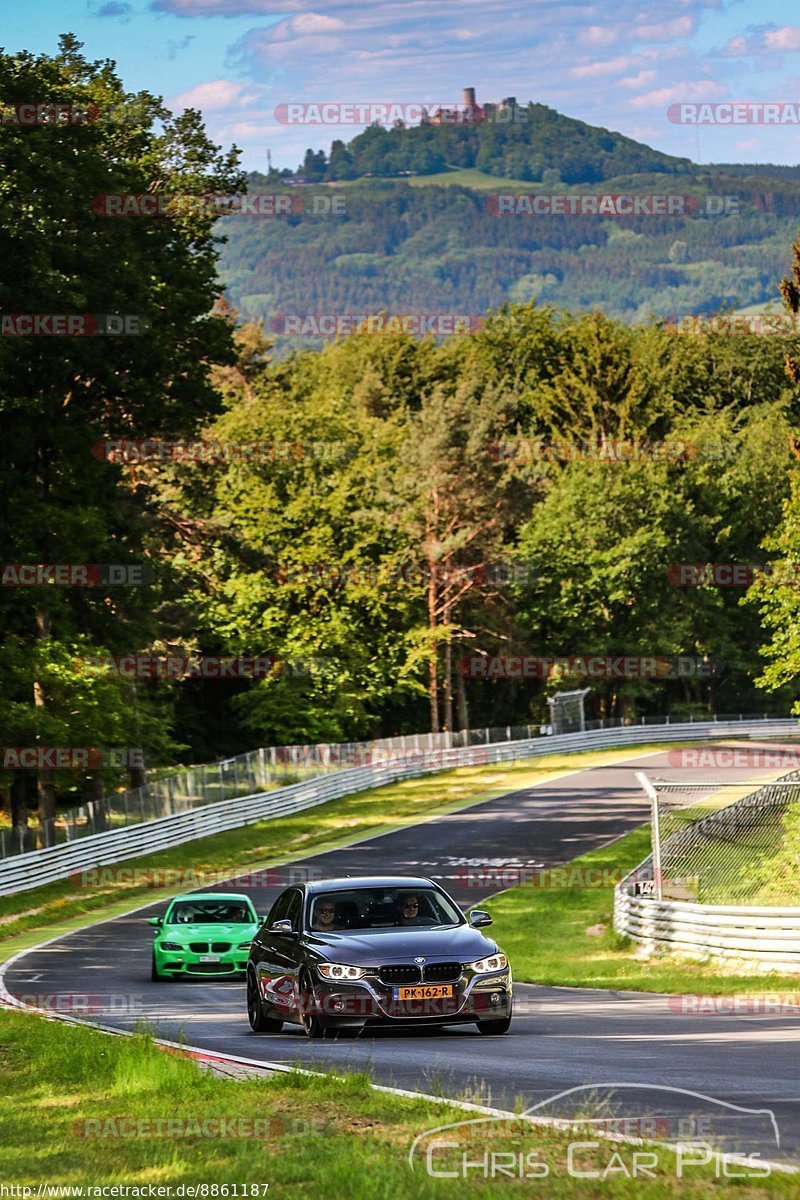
(314, 1024)
(259, 1023)
(154, 975)
(494, 1027)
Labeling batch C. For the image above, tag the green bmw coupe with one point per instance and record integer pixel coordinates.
(204, 935)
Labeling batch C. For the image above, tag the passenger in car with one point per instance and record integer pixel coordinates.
(324, 916)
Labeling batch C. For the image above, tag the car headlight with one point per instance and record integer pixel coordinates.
(340, 971)
(495, 962)
(243, 946)
(170, 945)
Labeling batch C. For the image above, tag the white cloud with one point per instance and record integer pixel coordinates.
(210, 97)
(599, 35)
(637, 81)
(690, 89)
(667, 31)
(778, 41)
(611, 66)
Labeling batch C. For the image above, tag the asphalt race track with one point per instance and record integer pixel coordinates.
(560, 1038)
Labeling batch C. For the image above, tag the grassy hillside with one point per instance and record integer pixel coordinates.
(433, 244)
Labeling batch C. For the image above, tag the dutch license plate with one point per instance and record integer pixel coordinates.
(428, 991)
(209, 958)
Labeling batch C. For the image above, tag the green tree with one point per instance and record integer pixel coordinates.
(61, 397)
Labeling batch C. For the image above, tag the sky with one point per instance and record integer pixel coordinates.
(617, 65)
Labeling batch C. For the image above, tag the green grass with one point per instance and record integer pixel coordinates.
(61, 907)
(471, 177)
(74, 1101)
(558, 932)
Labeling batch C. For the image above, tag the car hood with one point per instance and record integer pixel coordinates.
(378, 946)
(215, 932)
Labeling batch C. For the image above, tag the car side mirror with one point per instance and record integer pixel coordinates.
(282, 929)
(154, 920)
(479, 919)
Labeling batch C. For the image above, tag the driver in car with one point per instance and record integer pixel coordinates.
(324, 916)
(409, 911)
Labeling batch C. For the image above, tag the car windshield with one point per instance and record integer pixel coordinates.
(382, 908)
(210, 912)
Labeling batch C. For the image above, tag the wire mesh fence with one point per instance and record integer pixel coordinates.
(256, 771)
(273, 767)
(732, 846)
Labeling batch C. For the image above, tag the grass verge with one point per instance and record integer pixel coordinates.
(72, 903)
(86, 1110)
(558, 931)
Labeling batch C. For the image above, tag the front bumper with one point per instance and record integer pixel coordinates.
(368, 1001)
(176, 964)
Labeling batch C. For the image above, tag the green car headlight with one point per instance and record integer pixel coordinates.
(495, 962)
(243, 946)
(340, 971)
(170, 946)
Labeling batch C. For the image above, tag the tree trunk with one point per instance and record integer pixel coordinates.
(433, 673)
(448, 679)
(18, 799)
(461, 701)
(44, 777)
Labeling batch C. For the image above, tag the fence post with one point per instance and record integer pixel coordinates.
(652, 795)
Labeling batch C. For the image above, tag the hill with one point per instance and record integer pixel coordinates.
(433, 241)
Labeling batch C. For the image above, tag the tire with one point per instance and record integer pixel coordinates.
(314, 1025)
(154, 975)
(259, 1022)
(493, 1028)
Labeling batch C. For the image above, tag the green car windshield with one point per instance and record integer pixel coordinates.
(211, 912)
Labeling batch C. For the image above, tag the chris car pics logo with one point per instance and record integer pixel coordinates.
(604, 1132)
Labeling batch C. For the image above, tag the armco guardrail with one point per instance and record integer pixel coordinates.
(25, 871)
(767, 936)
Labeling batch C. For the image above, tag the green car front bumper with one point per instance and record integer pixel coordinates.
(171, 963)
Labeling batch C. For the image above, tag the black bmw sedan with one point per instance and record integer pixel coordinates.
(375, 951)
